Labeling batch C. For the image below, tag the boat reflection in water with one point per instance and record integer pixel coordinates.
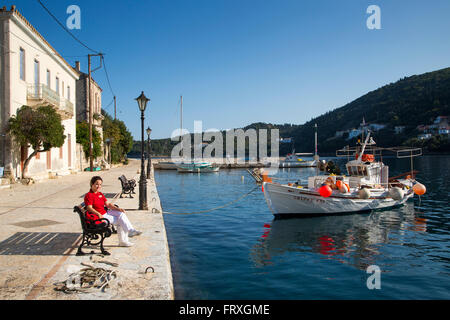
(353, 239)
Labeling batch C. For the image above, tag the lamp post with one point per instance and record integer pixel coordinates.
(149, 161)
(142, 103)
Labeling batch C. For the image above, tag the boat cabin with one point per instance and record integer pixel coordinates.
(360, 173)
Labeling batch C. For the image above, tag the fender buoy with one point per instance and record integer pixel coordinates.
(325, 191)
(419, 189)
(396, 193)
(364, 193)
(344, 188)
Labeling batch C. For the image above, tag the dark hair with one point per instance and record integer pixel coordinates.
(95, 178)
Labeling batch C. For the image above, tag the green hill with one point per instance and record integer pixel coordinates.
(409, 102)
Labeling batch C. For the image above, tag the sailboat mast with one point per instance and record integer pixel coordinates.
(181, 115)
(181, 126)
(315, 139)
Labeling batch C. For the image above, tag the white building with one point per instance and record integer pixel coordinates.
(33, 73)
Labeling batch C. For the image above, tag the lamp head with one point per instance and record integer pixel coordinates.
(142, 101)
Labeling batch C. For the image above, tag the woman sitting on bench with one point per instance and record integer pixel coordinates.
(96, 202)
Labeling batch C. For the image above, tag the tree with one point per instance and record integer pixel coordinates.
(83, 139)
(39, 128)
(121, 139)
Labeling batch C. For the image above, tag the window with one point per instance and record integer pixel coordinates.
(57, 85)
(36, 72)
(68, 93)
(48, 78)
(22, 64)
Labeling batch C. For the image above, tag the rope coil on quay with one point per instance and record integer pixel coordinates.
(216, 208)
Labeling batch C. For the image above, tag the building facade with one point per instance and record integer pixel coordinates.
(82, 108)
(34, 74)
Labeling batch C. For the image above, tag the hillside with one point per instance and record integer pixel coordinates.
(409, 102)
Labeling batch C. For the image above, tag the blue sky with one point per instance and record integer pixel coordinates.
(242, 61)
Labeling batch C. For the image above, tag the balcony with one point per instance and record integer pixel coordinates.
(41, 95)
(66, 109)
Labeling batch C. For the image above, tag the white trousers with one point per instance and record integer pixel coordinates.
(120, 220)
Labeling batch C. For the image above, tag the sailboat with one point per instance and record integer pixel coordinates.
(187, 166)
(301, 160)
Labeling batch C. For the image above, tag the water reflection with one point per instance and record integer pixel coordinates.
(356, 239)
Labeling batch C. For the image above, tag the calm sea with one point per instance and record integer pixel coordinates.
(242, 252)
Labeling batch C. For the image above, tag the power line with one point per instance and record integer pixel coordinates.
(43, 52)
(62, 26)
(107, 77)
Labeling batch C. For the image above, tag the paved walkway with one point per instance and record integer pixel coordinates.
(39, 233)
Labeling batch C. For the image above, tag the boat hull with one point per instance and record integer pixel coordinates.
(197, 167)
(284, 201)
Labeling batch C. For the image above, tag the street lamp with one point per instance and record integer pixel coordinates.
(149, 161)
(142, 103)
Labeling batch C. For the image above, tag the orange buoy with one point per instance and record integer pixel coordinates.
(325, 191)
(344, 188)
(266, 178)
(339, 184)
(368, 158)
(419, 189)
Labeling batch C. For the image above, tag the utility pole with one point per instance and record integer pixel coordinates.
(91, 160)
(115, 108)
(91, 112)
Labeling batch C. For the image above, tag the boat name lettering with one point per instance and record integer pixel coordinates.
(309, 199)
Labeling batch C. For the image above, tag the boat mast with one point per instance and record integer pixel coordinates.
(364, 146)
(316, 156)
(181, 126)
(181, 115)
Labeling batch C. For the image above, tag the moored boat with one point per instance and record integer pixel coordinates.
(298, 160)
(197, 167)
(367, 186)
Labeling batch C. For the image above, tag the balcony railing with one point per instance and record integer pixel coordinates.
(43, 94)
(38, 95)
(67, 106)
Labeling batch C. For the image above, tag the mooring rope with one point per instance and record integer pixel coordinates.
(220, 207)
(86, 279)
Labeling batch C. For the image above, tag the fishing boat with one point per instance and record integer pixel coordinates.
(366, 187)
(301, 160)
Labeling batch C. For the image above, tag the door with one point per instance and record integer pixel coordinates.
(49, 160)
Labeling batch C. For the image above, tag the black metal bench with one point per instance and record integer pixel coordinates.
(93, 234)
(127, 186)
